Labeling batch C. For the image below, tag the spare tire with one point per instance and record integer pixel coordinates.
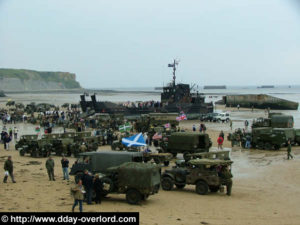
(107, 180)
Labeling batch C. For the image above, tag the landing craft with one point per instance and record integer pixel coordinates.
(174, 99)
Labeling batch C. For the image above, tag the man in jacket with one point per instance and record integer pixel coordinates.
(50, 168)
(226, 176)
(65, 166)
(98, 188)
(87, 181)
(78, 194)
(9, 168)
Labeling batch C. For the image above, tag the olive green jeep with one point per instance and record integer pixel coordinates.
(204, 173)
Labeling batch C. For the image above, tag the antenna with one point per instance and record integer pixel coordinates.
(175, 63)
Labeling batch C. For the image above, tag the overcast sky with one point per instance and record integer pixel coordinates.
(118, 43)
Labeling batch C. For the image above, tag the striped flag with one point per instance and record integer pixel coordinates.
(157, 136)
(181, 117)
(167, 125)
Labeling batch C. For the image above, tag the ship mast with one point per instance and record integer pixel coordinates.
(175, 63)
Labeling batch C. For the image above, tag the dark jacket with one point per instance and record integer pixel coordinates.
(98, 185)
(8, 166)
(87, 181)
(64, 163)
(50, 164)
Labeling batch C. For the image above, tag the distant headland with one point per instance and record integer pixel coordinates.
(30, 80)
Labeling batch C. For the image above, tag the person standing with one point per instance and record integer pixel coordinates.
(221, 134)
(289, 150)
(87, 181)
(230, 124)
(78, 194)
(65, 167)
(226, 176)
(220, 142)
(15, 134)
(194, 127)
(248, 141)
(9, 168)
(50, 168)
(246, 124)
(98, 188)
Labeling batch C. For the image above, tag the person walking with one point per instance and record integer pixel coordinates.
(230, 122)
(220, 141)
(87, 181)
(289, 150)
(50, 168)
(78, 194)
(98, 188)
(65, 167)
(9, 168)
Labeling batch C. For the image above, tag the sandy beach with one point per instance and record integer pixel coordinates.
(265, 190)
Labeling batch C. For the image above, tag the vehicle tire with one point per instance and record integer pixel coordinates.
(22, 152)
(180, 186)
(145, 197)
(107, 180)
(133, 196)
(166, 163)
(201, 187)
(186, 157)
(276, 147)
(227, 120)
(157, 161)
(214, 189)
(167, 183)
(33, 154)
(78, 176)
(268, 146)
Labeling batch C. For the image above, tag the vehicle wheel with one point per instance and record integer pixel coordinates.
(157, 161)
(186, 157)
(106, 180)
(227, 120)
(166, 163)
(276, 147)
(268, 146)
(78, 176)
(167, 184)
(201, 188)
(33, 154)
(145, 197)
(133, 196)
(180, 186)
(22, 152)
(174, 154)
(214, 188)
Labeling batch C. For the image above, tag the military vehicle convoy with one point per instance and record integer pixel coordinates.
(203, 173)
(186, 143)
(268, 133)
(60, 144)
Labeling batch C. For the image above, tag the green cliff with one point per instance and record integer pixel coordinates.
(20, 79)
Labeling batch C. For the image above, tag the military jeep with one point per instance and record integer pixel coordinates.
(204, 173)
(136, 180)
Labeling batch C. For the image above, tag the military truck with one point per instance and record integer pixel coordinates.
(186, 143)
(275, 121)
(99, 162)
(297, 136)
(271, 138)
(136, 180)
(200, 172)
